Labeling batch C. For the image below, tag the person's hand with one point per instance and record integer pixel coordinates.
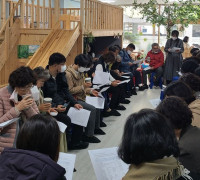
(60, 108)
(115, 83)
(117, 71)
(169, 49)
(122, 73)
(177, 50)
(51, 110)
(130, 63)
(44, 107)
(78, 106)
(87, 85)
(93, 74)
(95, 93)
(25, 103)
(152, 68)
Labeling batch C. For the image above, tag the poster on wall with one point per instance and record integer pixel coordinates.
(24, 51)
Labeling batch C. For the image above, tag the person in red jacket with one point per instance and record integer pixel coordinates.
(155, 58)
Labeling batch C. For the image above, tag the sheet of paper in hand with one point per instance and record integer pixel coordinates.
(101, 77)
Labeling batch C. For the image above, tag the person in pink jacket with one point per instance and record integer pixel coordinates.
(16, 102)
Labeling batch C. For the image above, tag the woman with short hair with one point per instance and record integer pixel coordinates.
(16, 102)
(36, 154)
(150, 146)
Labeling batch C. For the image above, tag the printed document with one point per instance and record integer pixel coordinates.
(101, 77)
(97, 102)
(125, 81)
(4, 124)
(61, 126)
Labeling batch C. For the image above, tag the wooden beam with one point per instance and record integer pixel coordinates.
(105, 32)
(3, 12)
(22, 14)
(27, 14)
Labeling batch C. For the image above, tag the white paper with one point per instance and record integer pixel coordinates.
(155, 102)
(107, 165)
(101, 77)
(79, 117)
(67, 161)
(125, 81)
(4, 124)
(147, 68)
(127, 73)
(127, 77)
(104, 89)
(97, 102)
(61, 126)
(175, 49)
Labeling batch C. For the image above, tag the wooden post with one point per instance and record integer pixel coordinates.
(32, 14)
(26, 13)
(50, 15)
(38, 13)
(11, 9)
(43, 16)
(56, 11)
(3, 12)
(159, 28)
(22, 14)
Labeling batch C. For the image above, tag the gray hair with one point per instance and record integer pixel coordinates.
(155, 44)
(41, 73)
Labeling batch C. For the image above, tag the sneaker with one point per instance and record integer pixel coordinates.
(128, 93)
(91, 139)
(99, 132)
(125, 101)
(141, 88)
(102, 124)
(145, 86)
(120, 107)
(78, 146)
(127, 96)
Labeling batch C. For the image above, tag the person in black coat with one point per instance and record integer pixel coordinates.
(36, 154)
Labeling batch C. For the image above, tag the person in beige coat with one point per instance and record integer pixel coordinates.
(16, 102)
(79, 88)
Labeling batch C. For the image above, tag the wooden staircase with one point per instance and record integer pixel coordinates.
(59, 40)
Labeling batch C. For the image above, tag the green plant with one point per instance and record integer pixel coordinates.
(131, 37)
(169, 14)
(88, 39)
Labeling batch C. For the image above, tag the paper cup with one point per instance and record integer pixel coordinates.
(53, 113)
(47, 100)
(87, 80)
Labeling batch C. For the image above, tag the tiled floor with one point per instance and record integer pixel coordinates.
(113, 135)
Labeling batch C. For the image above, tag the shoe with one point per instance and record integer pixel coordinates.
(125, 101)
(99, 132)
(141, 88)
(145, 86)
(103, 124)
(156, 87)
(133, 92)
(115, 113)
(78, 146)
(91, 139)
(128, 93)
(127, 96)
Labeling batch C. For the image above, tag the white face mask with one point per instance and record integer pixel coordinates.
(63, 68)
(35, 93)
(174, 38)
(82, 69)
(129, 52)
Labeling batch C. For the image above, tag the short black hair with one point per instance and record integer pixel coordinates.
(131, 45)
(40, 133)
(56, 58)
(192, 80)
(22, 77)
(185, 39)
(180, 89)
(118, 47)
(175, 33)
(155, 44)
(189, 65)
(147, 137)
(109, 57)
(193, 50)
(197, 71)
(113, 48)
(83, 60)
(176, 111)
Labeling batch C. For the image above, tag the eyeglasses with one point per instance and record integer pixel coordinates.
(26, 87)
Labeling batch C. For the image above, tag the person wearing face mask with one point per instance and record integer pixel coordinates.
(155, 58)
(16, 102)
(56, 87)
(174, 56)
(79, 88)
(128, 66)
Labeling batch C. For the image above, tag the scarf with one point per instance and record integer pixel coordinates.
(163, 169)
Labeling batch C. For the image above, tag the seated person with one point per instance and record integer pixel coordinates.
(194, 51)
(79, 88)
(149, 145)
(16, 102)
(155, 58)
(103, 65)
(189, 65)
(36, 154)
(128, 66)
(193, 81)
(180, 117)
(182, 90)
(51, 89)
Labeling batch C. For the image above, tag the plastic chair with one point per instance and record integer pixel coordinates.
(152, 81)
